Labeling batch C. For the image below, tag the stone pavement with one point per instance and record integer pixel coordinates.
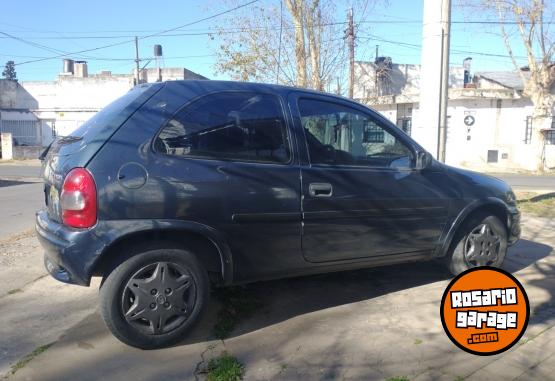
(360, 325)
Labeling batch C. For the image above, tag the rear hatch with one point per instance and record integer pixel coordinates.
(77, 149)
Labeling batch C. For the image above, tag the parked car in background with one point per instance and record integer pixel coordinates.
(181, 185)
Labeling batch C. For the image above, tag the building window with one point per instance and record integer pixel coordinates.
(550, 137)
(493, 156)
(405, 124)
(373, 133)
(528, 131)
(404, 117)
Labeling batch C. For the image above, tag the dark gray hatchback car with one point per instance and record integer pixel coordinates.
(179, 185)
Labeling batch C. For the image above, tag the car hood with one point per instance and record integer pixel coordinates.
(477, 185)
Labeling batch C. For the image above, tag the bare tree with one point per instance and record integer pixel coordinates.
(525, 25)
(528, 18)
(312, 43)
(296, 8)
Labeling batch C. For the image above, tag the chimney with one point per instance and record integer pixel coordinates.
(81, 69)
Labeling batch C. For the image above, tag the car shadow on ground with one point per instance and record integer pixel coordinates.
(283, 299)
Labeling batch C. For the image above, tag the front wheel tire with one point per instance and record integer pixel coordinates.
(152, 299)
(482, 241)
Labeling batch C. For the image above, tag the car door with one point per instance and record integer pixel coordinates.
(234, 168)
(362, 195)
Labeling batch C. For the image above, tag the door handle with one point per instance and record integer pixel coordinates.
(320, 190)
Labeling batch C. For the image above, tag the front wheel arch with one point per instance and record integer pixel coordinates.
(494, 207)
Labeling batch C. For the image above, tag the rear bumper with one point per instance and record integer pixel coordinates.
(69, 254)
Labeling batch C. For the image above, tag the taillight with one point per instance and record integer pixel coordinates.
(78, 199)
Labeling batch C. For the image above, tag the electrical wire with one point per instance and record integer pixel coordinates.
(142, 37)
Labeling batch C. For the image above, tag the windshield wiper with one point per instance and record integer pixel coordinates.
(69, 139)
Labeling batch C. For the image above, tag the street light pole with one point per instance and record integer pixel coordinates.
(444, 83)
(137, 60)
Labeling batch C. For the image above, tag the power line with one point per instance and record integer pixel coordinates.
(199, 32)
(143, 37)
(419, 46)
(44, 47)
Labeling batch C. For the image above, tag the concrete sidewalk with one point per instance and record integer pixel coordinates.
(360, 325)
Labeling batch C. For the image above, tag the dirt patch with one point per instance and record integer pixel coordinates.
(541, 205)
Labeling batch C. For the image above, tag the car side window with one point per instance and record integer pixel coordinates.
(340, 135)
(228, 126)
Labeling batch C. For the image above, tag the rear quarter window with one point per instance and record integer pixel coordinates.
(228, 126)
(112, 115)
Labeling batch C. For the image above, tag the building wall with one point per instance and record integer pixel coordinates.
(63, 105)
(499, 125)
(405, 79)
(89, 93)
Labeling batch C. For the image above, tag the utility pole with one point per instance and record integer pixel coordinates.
(351, 41)
(137, 60)
(444, 84)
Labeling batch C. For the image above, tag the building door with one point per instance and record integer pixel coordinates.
(48, 131)
(404, 117)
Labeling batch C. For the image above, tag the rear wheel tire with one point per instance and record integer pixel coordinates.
(482, 241)
(152, 299)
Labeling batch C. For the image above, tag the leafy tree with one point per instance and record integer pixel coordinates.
(9, 71)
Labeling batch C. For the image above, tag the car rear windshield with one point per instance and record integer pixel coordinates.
(113, 115)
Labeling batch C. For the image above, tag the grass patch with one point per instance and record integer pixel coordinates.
(224, 368)
(25, 360)
(397, 379)
(417, 342)
(236, 305)
(14, 291)
(542, 205)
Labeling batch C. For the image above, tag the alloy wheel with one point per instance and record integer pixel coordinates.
(159, 298)
(482, 246)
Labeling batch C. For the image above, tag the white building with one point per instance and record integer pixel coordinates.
(489, 120)
(35, 112)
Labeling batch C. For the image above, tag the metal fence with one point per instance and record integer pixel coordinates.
(24, 132)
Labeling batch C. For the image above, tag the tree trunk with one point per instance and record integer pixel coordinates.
(296, 7)
(313, 21)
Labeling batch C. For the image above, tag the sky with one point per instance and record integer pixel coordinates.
(32, 30)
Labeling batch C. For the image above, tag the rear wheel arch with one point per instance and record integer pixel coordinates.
(214, 256)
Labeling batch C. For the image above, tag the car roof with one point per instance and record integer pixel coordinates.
(217, 85)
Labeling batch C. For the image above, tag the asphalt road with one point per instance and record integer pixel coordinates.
(10, 171)
(522, 182)
(18, 203)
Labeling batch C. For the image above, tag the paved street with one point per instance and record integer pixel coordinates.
(18, 203)
(22, 170)
(529, 182)
(21, 195)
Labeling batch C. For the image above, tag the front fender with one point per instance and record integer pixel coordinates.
(462, 215)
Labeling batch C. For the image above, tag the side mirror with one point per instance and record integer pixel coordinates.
(423, 160)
